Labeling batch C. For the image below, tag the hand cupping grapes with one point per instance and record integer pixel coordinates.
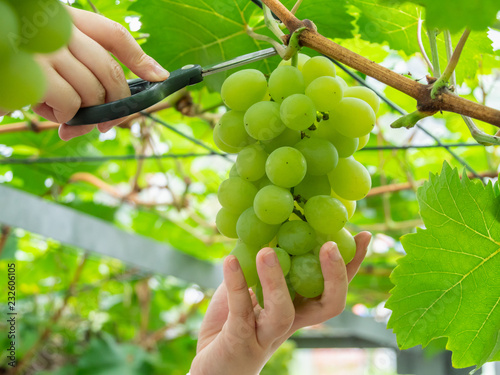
(295, 182)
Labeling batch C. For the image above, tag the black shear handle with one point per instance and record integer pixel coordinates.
(144, 95)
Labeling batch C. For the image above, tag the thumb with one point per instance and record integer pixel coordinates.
(116, 39)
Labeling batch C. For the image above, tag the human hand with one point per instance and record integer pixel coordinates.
(237, 336)
(84, 74)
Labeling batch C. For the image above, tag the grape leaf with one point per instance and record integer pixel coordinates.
(457, 14)
(203, 32)
(381, 23)
(448, 284)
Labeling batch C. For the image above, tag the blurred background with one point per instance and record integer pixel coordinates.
(115, 245)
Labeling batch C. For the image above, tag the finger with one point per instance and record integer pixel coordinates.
(255, 302)
(105, 69)
(335, 275)
(45, 111)
(238, 297)
(215, 317)
(83, 81)
(68, 132)
(362, 242)
(116, 39)
(278, 314)
(79, 77)
(332, 301)
(60, 96)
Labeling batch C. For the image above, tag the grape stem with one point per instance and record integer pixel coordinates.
(421, 45)
(450, 68)
(480, 136)
(293, 46)
(445, 101)
(436, 69)
(299, 214)
(277, 46)
(410, 120)
(271, 23)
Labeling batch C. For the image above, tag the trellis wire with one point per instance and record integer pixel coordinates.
(100, 159)
(194, 140)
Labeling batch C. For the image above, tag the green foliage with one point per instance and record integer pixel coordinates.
(457, 14)
(448, 284)
(382, 23)
(208, 33)
(104, 356)
(278, 363)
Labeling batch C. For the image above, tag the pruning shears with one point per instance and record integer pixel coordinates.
(145, 93)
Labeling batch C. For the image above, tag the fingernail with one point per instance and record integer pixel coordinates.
(161, 72)
(270, 258)
(334, 252)
(105, 127)
(233, 264)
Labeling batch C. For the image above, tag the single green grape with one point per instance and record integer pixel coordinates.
(346, 244)
(263, 182)
(286, 167)
(247, 257)
(363, 141)
(296, 237)
(9, 30)
(236, 195)
(325, 92)
(285, 81)
(306, 276)
(321, 156)
(353, 117)
(273, 204)
(317, 66)
(254, 231)
(365, 94)
(233, 172)
(243, 89)
(325, 214)
(345, 146)
(302, 60)
(226, 222)
(23, 81)
(263, 122)
(259, 294)
(251, 162)
(221, 145)
(311, 186)
(284, 259)
(350, 179)
(289, 137)
(350, 206)
(45, 25)
(342, 82)
(298, 112)
(232, 130)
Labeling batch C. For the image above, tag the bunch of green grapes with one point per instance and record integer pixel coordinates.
(28, 27)
(295, 182)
